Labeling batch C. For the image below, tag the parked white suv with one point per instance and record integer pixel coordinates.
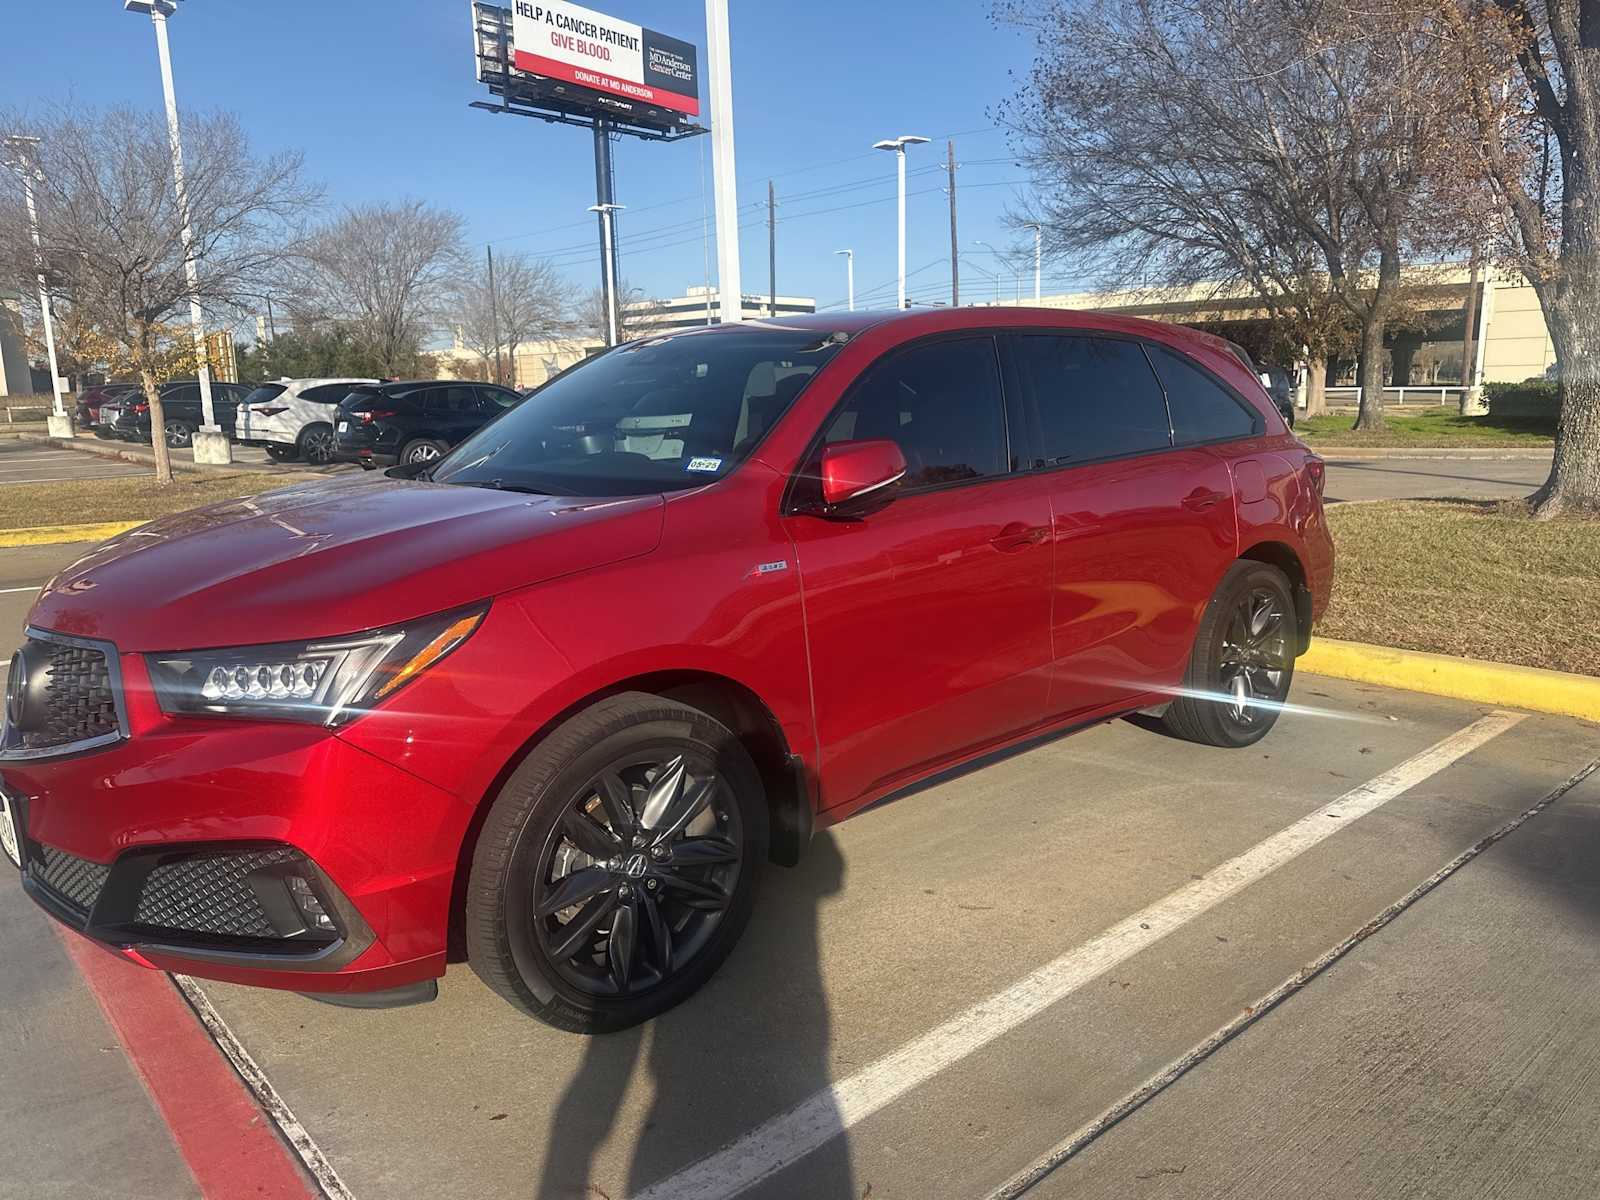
(293, 418)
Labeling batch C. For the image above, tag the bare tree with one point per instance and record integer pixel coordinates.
(530, 299)
(1530, 76)
(109, 231)
(1265, 144)
(384, 271)
(638, 315)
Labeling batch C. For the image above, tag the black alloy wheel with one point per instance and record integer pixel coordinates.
(637, 875)
(1243, 660)
(316, 444)
(616, 868)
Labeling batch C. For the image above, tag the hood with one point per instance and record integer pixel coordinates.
(330, 558)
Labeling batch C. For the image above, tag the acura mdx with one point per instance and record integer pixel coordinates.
(550, 702)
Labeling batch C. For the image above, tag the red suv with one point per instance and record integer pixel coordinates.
(552, 700)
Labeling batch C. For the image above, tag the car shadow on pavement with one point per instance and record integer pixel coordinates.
(753, 1043)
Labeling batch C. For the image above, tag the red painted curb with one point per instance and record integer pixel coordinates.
(228, 1143)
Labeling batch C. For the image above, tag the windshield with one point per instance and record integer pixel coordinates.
(652, 416)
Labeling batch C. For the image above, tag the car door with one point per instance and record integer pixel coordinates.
(453, 411)
(928, 620)
(1142, 529)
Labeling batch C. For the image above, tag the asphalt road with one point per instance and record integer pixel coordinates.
(1403, 478)
(40, 462)
(928, 1004)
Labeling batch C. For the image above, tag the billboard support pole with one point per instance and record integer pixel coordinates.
(724, 192)
(605, 201)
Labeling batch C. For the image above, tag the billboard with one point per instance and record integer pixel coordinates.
(580, 46)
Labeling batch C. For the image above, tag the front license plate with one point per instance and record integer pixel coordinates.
(344, 426)
(8, 832)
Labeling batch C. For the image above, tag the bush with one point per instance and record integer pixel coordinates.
(1532, 399)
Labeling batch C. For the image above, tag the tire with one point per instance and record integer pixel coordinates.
(315, 444)
(421, 450)
(678, 780)
(178, 433)
(278, 452)
(1243, 660)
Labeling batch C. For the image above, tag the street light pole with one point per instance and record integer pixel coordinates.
(996, 253)
(898, 145)
(23, 149)
(614, 302)
(210, 443)
(850, 275)
(1038, 246)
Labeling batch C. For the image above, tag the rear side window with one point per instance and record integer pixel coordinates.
(941, 402)
(449, 400)
(326, 393)
(1096, 397)
(1202, 409)
(187, 394)
(267, 391)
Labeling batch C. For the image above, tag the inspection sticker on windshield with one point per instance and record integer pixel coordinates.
(704, 464)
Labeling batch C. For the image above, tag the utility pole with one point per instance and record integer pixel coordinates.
(723, 184)
(772, 251)
(955, 247)
(1038, 248)
(494, 316)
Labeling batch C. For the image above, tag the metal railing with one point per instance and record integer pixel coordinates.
(1431, 394)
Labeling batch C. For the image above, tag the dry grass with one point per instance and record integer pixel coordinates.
(1429, 427)
(1465, 578)
(129, 498)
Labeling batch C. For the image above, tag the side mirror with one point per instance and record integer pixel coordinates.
(860, 477)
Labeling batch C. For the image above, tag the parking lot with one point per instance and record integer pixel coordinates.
(954, 984)
(41, 462)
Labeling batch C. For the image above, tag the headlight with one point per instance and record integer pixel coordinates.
(325, 682)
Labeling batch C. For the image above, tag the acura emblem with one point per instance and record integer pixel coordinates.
(634, 867)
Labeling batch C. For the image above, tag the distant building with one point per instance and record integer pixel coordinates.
(703, 306)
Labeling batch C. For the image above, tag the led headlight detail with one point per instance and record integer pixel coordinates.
(325, 682)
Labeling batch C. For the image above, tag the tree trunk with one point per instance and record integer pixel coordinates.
(1316, 387)
(158, 440)
(1370, 414)
(1574, 483)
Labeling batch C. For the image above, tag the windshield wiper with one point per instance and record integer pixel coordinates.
(501, 485)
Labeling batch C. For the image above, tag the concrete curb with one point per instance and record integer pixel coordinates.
(1462, 678)
(49, 535)
(145, 458)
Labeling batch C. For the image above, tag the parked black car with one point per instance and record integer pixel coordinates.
(181, 411)
(415, 421)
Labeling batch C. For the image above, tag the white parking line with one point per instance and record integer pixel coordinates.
(815, 1121)
(9, 591)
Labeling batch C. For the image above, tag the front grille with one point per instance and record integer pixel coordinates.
(70, 700)
(211, 895)
(77, 881)
(79, 702)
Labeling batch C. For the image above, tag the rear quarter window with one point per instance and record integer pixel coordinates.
(1202, 409)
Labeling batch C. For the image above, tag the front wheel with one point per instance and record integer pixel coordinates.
(1242, 663)
(617, 867)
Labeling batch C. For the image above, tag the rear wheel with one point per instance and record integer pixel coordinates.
(179, 433)
(1242, 663)
(617, 867)
(423, 450)
(316, 444)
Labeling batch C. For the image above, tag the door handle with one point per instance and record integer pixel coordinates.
(1017, 536)
(1203, 498)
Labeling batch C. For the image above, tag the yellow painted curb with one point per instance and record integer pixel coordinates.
(1463, 678)
(45, 535)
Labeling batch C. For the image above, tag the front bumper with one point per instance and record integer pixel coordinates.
(175, 845)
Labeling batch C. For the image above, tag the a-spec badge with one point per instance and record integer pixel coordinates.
(768, 568)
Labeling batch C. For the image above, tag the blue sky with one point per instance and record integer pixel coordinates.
(376, 91)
